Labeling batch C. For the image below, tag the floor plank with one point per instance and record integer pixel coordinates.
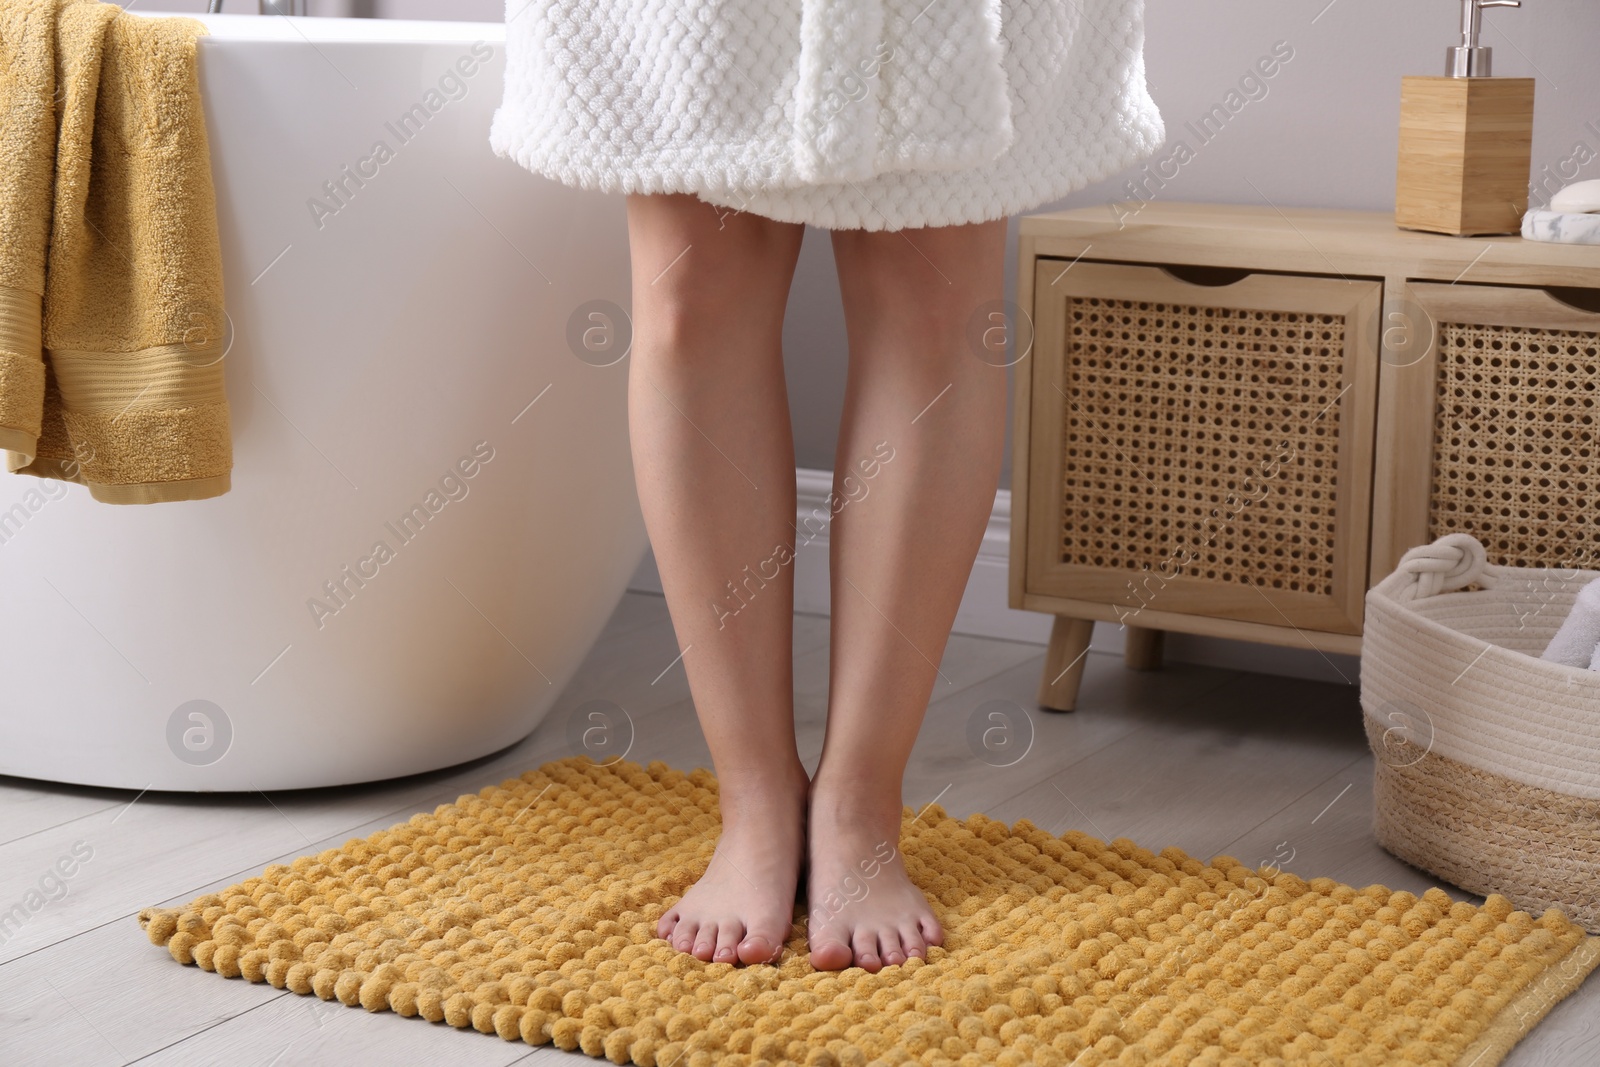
(289, 1030)
(1327, 830)
(1200, 774)
(633, 610)
(980, 747)
(31, 807)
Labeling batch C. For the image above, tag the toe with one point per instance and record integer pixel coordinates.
(889, 949)
(683, 934)
(830, 949)
(665, 926)
(705, 942)
(865, 943)
(932, 932)
(912, 941)
(728, 936)
(762, 943)
(756, 948)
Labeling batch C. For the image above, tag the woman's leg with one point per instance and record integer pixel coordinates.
(900, 557)
(714, 461)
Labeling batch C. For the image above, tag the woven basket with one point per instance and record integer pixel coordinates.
(1488, 757)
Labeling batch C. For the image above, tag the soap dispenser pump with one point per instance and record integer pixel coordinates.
(1470, 59)
(1466, 141)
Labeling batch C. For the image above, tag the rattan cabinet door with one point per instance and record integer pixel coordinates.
(1513, 457)
(1202, 450)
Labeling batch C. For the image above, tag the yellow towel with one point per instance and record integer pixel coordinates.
(111, 315)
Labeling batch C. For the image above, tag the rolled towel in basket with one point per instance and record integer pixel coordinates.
(1577, 643)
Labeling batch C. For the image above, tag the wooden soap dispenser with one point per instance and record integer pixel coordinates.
(1466, 141)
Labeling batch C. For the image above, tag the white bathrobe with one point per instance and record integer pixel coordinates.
(845, 114)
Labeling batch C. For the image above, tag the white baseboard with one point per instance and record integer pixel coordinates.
(985, 613)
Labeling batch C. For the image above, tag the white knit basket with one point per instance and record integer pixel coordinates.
(1488, 757)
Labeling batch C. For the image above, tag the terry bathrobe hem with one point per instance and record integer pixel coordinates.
(870, 114)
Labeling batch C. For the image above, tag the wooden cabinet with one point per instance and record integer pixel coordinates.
(1233, 421)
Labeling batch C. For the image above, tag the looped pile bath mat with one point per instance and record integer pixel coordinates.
(528, 910)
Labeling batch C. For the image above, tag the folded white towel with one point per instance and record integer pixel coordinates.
(1561, 227)
(1577, 643)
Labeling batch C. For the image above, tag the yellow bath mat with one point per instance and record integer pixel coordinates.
(529, 909)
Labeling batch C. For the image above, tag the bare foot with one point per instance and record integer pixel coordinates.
(862, 908)
(742, 908)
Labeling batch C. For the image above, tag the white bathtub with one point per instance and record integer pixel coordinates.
(396, 336)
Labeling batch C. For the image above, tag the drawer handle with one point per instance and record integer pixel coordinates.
(1212, 277)
(1579, 299)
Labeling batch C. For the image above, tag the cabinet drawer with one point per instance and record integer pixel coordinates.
(1202, 449)
(1515, 451)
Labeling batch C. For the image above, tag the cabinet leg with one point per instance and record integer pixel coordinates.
(1063, 663)
(1143, 650)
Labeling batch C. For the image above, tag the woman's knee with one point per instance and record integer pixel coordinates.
(694, 280)
(670, 227)
(934, 280)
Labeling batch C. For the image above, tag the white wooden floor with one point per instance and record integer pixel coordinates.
(1256, 766)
